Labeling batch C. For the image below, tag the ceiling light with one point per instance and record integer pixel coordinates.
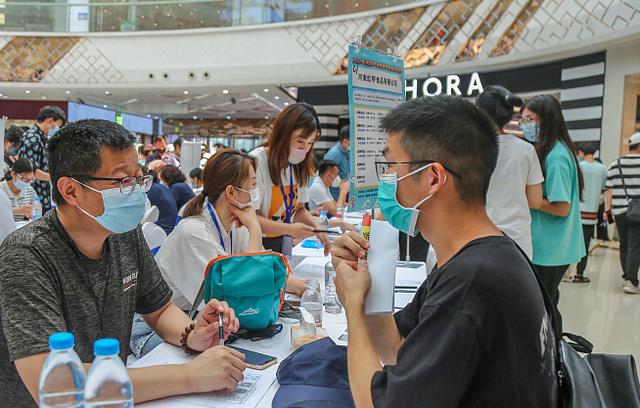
(276, 97)
(179, 102)
(228, 117)
(155, 117)
(107, 93)
(225, 91)
(266, 117)
(43, 97)
(186, 92)
(1, 95)
(5, 96)
(132, 100)
(195, 117)
(266, 89)
(27, 91)
(67, 92)
(148, 116)
(286, 104)
(104, 106)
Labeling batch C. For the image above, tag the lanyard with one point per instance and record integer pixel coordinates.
(288, 205)
(215, 222)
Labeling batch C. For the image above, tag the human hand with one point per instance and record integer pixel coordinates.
(205, 334)
(299, 230)
(352, 284)
(344, 186)
(296, 286)
(349, 248)
(26, 210)
(215, 369)
(324, 239)
(247, 217)
(346, 227)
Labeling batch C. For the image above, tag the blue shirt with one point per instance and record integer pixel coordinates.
(182, 193)
(340, 157)
(161, 197)
(557, 240)
(595, 176)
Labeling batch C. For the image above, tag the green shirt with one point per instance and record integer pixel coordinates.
(558, 240)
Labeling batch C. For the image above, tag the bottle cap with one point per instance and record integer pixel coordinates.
(323, 212)
(61, 341)
(366, 220)
(106, 347)
(37, 198)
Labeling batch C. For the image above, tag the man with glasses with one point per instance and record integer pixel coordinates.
(85, 268)
(476, 333)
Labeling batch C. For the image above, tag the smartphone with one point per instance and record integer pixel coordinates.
(610, 218)
(255, 360)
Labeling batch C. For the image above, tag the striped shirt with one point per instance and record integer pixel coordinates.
(25, 197)
(630, 167)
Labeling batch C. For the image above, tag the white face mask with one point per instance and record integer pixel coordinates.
(336, 182)
(297, 155)
(256, 196)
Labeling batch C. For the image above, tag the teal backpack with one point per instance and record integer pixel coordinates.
(253, 285)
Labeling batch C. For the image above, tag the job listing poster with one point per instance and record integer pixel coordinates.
(376, 85)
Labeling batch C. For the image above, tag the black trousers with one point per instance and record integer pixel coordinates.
(629, 232)
(551, 276)
(587, 231)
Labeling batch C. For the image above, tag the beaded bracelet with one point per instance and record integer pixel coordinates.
(183, 340)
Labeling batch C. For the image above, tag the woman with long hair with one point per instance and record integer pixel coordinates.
(516, 183)
(556, 227)
(284, 169)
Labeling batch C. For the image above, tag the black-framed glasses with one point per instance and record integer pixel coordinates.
(382, 167)
(127, 185)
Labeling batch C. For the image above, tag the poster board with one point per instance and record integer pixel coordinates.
(376, 85)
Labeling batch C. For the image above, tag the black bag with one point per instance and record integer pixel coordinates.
(633, 208)
(596, 380)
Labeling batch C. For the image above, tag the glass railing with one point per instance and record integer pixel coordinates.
(131, 15)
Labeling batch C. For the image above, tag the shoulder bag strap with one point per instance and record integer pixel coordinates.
(624, 185)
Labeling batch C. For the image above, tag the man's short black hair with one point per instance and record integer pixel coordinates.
(344, 133)
(51, 112)
(196, 173)
(75, 149)
(177, 142)
(453, 132)
(13, 135)
(325, 166)
(588, 148)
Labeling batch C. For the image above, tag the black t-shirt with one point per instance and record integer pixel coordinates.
(47, 285)
(476, 335)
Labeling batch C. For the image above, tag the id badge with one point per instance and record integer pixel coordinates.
(287, 246)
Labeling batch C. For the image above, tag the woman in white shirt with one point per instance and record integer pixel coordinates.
(17, 186)
(284, 169)
(220, 220)
(516, 183)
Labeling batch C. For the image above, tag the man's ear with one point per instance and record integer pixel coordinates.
(436, 177)
(68, 189)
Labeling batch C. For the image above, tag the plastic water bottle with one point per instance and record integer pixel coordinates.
(331, 302)
(62, 378)
(36, 209)
(108, 384)
(323, 220)
(312, 301)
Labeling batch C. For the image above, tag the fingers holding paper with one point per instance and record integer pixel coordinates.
(353, 285)
(349, 248)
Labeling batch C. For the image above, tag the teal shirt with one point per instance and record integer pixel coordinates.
(558, 240)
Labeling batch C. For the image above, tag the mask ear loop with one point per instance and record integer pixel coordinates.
(419, 203)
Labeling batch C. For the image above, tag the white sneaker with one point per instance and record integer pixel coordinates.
(629, 287)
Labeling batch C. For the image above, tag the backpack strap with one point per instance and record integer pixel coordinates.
(624, 185)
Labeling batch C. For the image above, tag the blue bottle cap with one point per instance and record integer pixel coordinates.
(106, 347)
(61, 341)
(323, 212)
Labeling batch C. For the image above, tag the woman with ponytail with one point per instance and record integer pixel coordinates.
(516, 183)
(220, 220)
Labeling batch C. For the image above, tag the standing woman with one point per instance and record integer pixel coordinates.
(285, 165)
(556, 227)
(516, 183)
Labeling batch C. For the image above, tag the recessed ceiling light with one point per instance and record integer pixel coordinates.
(148, 116)
(104, 106)
(228, 117)
(27, 91)
(286, 104)
(155, 117)
(266, 117)
(43, 97)
(195, 117)
(5, 96)
(225, 91)
(67, 92)
(1, 95)
(266, 89)
(179, 102)
(107, 93)
(186, 92)
(276, 97)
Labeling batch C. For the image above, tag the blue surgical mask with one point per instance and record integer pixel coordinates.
(121, 213)
(12, 152)
(400, 217)
(52, 132)
(20, 185)
(531, 131)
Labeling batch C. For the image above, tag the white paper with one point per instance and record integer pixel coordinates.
(382, 256)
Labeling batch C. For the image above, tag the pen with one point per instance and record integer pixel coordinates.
(220, 331)
(328, 232)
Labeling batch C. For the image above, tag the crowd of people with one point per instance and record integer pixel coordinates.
(498, 208)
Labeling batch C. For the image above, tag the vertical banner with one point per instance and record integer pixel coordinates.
(376, 85)
(3, 121)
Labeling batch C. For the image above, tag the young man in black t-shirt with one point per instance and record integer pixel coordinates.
(477, 333)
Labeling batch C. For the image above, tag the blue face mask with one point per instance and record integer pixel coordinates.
(121, 213)
(531, 131)
(52, 132)
(400, 217)
(20, 185)
(12, 152)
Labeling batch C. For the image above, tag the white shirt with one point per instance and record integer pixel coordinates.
(7, 224)
(507, 206)
(273, 206)
(24, 197)
(188, 250)
(318, 194)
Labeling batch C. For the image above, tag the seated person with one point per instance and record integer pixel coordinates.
(196, 180)
(220, 220)
(161, 197)
(17, 186)
(319, 194)
(85, 268)
(477, 333)
(173, 178)
(12, 140)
